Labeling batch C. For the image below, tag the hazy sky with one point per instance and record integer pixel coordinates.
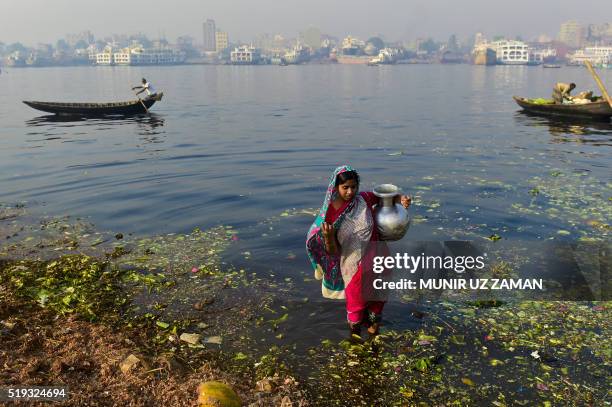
(34, 21)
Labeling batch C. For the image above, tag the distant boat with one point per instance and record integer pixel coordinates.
(600, 109)
(551, 66)
(97, 109)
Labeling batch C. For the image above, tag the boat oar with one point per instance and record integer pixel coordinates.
(142, 103)
(604, 92)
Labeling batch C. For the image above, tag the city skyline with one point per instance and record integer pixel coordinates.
(37, 21)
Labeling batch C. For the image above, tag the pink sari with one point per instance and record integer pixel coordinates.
(347, 275)
(357, 305)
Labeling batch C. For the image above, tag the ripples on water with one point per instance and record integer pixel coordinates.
(241, 145)
(574, 130)
(253, 147)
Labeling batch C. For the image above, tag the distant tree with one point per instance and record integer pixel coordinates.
(377, 42)
(519, 38)
(429, 45)
(407, 54)
(16, 46)
(498, 38)
(62, 45)
(2, 47)
(81, 44)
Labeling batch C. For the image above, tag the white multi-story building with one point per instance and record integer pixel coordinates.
(137, 55)
(601, 56)
(105, 57)
(538, 56)
(122, 57)
(245, 55)
(92, 52)
(511, 52)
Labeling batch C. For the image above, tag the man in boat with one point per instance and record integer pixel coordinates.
(561, 92)
(146, 87)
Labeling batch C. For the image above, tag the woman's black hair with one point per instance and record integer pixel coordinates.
(347, 176)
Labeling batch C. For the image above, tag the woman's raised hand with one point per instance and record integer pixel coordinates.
(329, 235)
(405, 200)
(328, 231)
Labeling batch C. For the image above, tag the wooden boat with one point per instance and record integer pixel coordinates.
(599, 109)
(97, 109)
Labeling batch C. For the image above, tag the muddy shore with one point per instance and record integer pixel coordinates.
(142, 321)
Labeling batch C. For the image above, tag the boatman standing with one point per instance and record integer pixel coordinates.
(561, 91)
(145, 87)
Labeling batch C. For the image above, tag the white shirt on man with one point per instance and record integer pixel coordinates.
(149, 89)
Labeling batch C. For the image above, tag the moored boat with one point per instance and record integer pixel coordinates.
(97, 109)
(599, 109)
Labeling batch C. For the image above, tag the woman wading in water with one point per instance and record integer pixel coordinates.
(341, 246)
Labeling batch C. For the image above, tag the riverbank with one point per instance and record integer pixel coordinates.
(127, 320)
(114, 321)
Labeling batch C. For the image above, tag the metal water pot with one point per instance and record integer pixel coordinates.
(392, 220)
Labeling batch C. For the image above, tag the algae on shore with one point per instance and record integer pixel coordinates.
(140, 295)
(144, 293)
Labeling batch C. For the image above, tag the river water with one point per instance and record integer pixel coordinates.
(253, 146)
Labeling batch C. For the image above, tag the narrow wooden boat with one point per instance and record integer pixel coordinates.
(97, 109)
(599, 109)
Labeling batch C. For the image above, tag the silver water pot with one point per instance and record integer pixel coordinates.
(392, 220)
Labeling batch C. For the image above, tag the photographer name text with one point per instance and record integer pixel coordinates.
(460, 284)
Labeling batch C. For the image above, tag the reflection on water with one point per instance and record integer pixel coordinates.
(147, 125)
(151, 120)
(53, 118)
(569, 129)
(78, 130)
